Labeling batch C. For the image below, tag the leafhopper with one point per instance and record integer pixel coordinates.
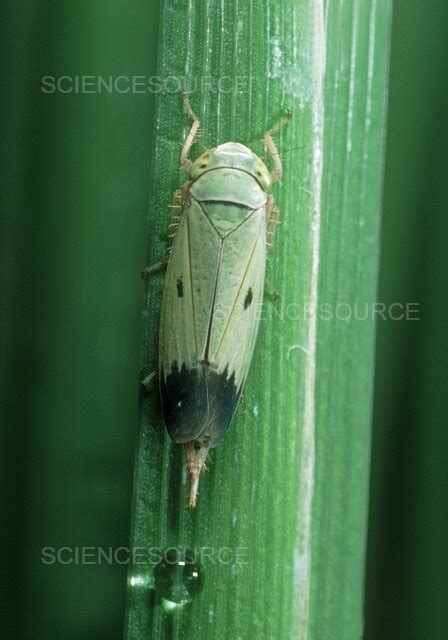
(223, 224)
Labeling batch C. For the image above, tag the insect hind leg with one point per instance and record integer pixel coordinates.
(196, 452)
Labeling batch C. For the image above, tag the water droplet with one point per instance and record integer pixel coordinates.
(178, 577)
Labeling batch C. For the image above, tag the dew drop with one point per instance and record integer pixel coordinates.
(178, 577)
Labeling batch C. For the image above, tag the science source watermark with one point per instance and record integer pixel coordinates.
(140, 84)
(345, 311)
(340, 312)
(97, 555)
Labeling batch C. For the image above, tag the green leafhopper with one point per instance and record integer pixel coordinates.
(214, 284)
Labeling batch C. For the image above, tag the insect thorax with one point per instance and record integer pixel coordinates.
(228, 197)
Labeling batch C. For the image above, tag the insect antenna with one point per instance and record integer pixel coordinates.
(283, 153)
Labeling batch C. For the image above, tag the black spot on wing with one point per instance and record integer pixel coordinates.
(180, 287)
(198, 401)
(249, 297)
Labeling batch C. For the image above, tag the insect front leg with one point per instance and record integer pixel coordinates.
(191, 138)
(270, 146)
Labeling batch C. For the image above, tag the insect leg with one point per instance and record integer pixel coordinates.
(273, 219)
(270, 145)
(176, 205)
(196, 452)
(270, 291)
(153, 268)
(176, 208)
(146, 382)
(184, 160)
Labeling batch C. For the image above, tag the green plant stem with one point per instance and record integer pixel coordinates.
(287, 491)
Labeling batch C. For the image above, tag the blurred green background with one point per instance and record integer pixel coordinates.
(73, 228)
(72, 247)
(407, 564)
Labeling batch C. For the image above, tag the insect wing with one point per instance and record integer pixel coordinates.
(210, 316)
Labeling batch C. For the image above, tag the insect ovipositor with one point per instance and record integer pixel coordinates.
(214, 283)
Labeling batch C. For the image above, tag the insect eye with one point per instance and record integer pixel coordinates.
(262, 174)
(200, 164)
(203, 161)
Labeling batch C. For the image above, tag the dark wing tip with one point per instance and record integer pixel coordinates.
(181, 393)
(198, 401)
